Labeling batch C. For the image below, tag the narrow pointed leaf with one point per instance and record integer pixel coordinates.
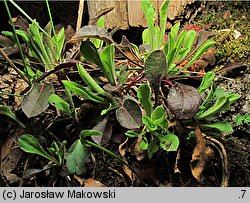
(4, 110)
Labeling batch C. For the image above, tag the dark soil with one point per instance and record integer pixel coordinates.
(20, 169)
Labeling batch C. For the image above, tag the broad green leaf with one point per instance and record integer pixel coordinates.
(171, 143)
(23, 35)
(83, 91)
(223, 127)
(221, 104)
(189, 39)
(153, 147)
(129, 115)
(86, 133)
(155, 67)
(206, 82)
(4, 110)
(36, 100)
(144, 96)
(30, 144)
(90, 54)
(78, 154)
(158, 115)
(59, 103)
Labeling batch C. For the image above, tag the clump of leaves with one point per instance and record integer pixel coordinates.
(180, 46)
(156, 135)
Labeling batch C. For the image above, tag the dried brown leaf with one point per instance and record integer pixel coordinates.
(136, 149)
(201, 155)
(93, 183)
(125, 168)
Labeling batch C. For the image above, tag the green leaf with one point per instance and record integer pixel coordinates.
(131, 133)
(163, 19)
(149, 123)
(86, 133)
(153, 147)
(90, 54)
(158, 115)
(83, 91)
(219, 92)
(155, 67)
(221, 104)
(78, 154)
(4, 110)
(242, 119)
(89, 80)
(100, 23)
(144, 144)
(59, 103)
(145, 37)
(223, 127)
(175, 29)
(144, 96)
(36, 100)
(107, 58)
(188, 43)
(206, 82)
(30, 144)
(203, 48)
(150, 14)
(171, 143)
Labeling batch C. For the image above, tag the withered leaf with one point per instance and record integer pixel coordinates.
(91, 31)
(201, 155)
(183, 101)
(37, 99)
(105, 128)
